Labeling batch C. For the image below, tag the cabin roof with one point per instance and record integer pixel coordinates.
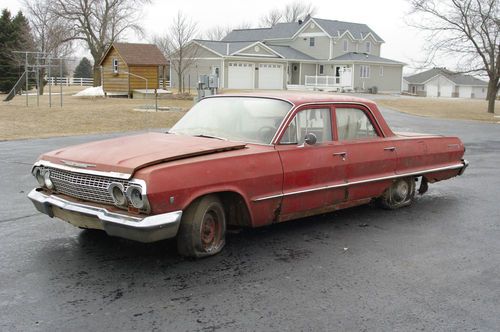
(138, 54)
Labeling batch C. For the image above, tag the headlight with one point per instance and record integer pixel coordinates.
(116, 192)
(48, 182)
(37, 172)
(134, 194)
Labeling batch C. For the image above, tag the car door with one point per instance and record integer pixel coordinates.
(369, 156)
(313, 176)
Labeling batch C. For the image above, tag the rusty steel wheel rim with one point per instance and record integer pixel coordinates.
(401, 191)
(210, 231)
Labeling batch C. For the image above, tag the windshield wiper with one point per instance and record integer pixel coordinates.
(210, 136)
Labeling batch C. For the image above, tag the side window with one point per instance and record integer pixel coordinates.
(353, 123)
(115, 66)
(316, 121)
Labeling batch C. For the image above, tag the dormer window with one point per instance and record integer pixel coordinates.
(312, 41)
(346, 45)
(368, 47)
(115, 66)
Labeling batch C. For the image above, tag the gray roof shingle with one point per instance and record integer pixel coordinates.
(363, 57)
(458, 79)
(223, 47)
(288, 30)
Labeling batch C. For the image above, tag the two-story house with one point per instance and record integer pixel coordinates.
(314, 53)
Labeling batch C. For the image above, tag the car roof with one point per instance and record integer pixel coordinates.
(300, 98)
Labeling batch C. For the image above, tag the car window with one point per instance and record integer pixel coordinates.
(353, 123)
(316, 121)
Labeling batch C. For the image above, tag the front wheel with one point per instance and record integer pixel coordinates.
(401, 193)
(203, 228)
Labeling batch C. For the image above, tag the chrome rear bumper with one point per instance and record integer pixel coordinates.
(143, 229)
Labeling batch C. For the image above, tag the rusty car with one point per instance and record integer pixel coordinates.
(245, 160)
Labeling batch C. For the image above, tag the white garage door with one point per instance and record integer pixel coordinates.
(240, 75)
(446, 90)
(432, 90)
(465, 91)
(270, 76)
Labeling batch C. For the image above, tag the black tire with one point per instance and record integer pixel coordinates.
(203, 228)
(400, 194)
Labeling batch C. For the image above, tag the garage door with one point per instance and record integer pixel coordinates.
(432, 90)
(446, 90)
(270, 76)
(240, 75)
(465, 92)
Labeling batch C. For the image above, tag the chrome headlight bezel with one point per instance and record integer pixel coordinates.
(117, 192)
(137, 198)
(38, 174)
(48, 181)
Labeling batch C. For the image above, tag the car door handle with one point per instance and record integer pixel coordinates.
(390, 148)
(342, 154)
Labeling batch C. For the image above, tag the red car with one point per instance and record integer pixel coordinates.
(242, 160)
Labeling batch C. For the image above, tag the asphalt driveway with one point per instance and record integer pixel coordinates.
(433, 266)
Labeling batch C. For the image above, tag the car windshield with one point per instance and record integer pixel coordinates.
(245, 119)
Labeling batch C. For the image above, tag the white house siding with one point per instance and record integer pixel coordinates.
(308, 69)
(321, 49)
(480, 92)
(390, 82)
(192, 74)
(257, 50)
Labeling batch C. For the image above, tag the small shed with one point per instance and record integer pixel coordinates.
(126, 67)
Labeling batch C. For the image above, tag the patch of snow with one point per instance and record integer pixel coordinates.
(91, 92)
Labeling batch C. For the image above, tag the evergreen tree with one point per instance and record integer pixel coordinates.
(84, 69)
(15, 35)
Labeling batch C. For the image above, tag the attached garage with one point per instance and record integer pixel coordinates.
(271, 76)
(465, 92)
(432, 89)
(446, 89)
(241, 75)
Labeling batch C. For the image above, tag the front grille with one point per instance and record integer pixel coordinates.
(87, 187)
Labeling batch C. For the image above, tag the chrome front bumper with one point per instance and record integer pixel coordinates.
(148, 229)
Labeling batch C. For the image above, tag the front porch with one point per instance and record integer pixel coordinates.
(319, 76)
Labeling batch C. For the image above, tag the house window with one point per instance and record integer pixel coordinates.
(381, 71)
(346, 45)
(312, 41)
(368, 47)
(364, 71)
(115, 66)
(321, 69)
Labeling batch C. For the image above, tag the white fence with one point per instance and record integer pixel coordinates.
(70, 81)
(325, 81)
(73, 81)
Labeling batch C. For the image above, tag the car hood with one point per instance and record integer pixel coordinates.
(130, 153)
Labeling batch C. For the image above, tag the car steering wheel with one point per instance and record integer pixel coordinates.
(266, 133)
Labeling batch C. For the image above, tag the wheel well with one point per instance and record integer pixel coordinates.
(236, 209)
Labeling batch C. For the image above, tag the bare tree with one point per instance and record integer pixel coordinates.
(298, 10)
(216, 33)
(99, 23)
(469, 30)
(292, 12)
(52, 35)
(271, 18)
(175, 44)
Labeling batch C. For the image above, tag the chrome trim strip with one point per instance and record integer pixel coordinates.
(464, 164)
(117, 175)
(169, 221)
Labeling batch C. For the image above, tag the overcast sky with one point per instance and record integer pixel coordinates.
(386, 18)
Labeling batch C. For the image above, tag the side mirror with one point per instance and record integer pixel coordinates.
(310, 139)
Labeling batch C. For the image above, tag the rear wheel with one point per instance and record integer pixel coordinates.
(401, 193)
(203, 228)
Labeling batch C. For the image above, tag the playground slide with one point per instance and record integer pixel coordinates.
(17, 87)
